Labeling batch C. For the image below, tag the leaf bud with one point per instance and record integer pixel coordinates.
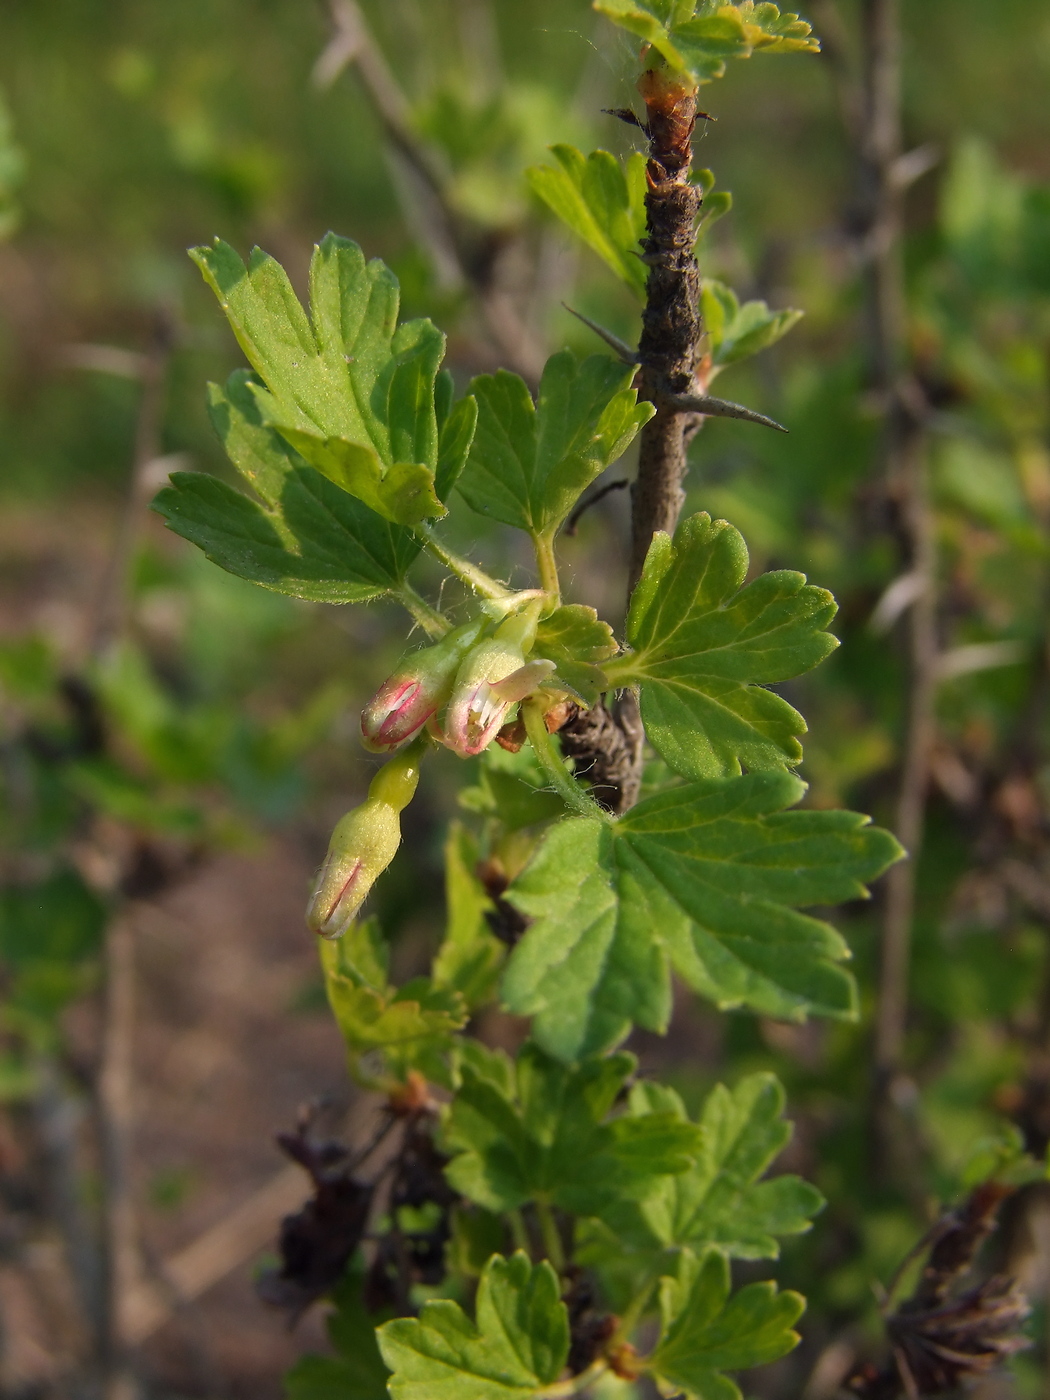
(492, 678)
(363, 844)
(420, 685)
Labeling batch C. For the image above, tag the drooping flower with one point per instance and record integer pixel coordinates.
(363, 844)
(493, 676)
(420, 685)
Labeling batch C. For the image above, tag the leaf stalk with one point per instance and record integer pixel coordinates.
(481, 583)
(575, 1385)
(567, 788)
(547, 567)
(434, 623)
(552, 1243)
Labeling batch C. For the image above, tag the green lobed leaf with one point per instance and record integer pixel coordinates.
(721, 1201)
(535, 1129)
(357, 1368)
(704, 647)
(602, 201)
(470, 956)
(307, 538)
(413, 1026)
(349, 388)
(736, 332)
(513, 789)
(577, 641)
(529, 463)
(696, 37)
(705, 1331)
(518, 1344)
(706, 877)
(454, 438)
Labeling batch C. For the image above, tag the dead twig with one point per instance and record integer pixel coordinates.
(946, 1333)
(904, 466)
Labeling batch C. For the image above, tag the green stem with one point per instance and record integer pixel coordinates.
(547, 567)
(468, 573)
(519, 1232)
(433, 623)
(575, 1385)
(551, 1236)
(564, 784)
(632, 1314)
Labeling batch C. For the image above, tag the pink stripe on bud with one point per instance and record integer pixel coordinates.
(416, 691)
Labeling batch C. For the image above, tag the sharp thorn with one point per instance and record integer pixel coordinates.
(623, 350)
(625, 114)
(721, 408)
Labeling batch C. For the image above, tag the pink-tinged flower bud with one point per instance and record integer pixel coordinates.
(418, 688)
(491, 679)
(363, 844)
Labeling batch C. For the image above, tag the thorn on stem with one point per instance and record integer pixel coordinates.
(625, 115)
(721, 408)
(623, 350)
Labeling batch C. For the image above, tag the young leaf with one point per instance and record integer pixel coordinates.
(351, 390)
(513, 789)
(697, 36)
(517, 1346)
(529, 463)
(736, 332)
(357, 1368)
(454, 439)
(707, 877)
(307, 538)
(716, 205)
(575, 639)
(469, 959)
(537, 1130)
(704, 646)
(705, 1331)
(721, 1202)
(602, 201)
(412, 1025)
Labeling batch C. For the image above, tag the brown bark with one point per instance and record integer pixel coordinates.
(671, 326)
(608, 742)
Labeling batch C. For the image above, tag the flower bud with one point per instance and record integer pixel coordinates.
(493, 677)
(363, 844)
(418, 688)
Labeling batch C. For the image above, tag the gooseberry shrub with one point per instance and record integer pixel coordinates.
(639, 812)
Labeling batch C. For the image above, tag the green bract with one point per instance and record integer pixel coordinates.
(704, 648)
(518, 1345)
(697, 36)
(348, 387)
(706, 878)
